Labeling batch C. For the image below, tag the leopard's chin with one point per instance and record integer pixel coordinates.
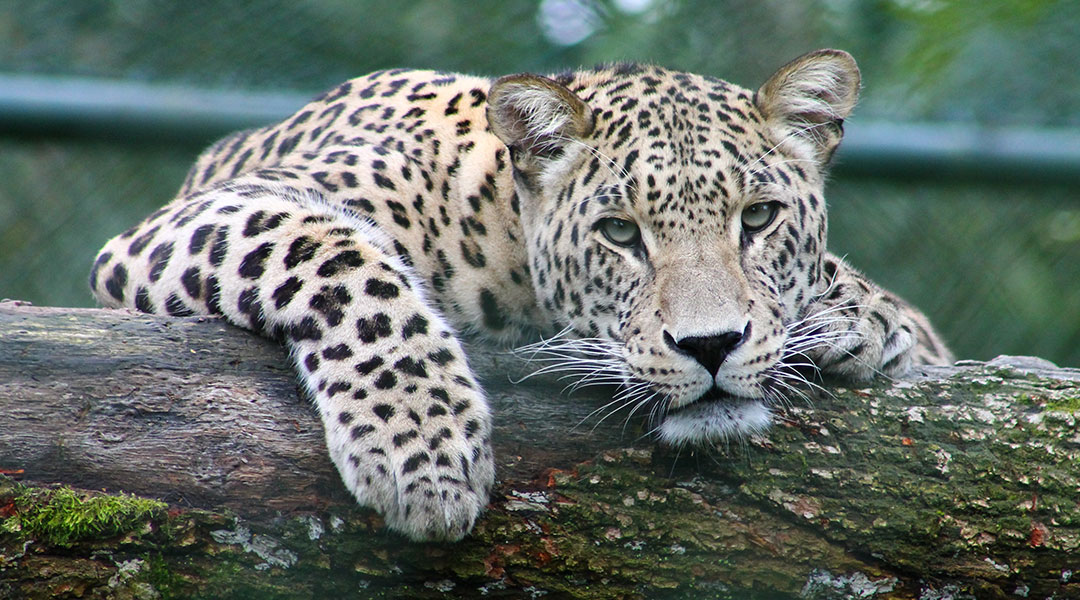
(714, 417)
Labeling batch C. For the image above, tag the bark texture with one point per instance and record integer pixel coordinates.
(958, 482)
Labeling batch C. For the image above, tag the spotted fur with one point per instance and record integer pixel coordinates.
(404, 206)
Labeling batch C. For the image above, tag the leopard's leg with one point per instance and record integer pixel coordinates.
(862, 330)
(406, 423)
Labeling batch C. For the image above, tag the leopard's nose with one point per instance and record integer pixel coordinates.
(709, 350)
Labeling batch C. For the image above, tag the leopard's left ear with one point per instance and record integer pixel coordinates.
(536, 117)
(806, 101)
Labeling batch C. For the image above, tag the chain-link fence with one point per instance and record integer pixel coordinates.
(991, 253)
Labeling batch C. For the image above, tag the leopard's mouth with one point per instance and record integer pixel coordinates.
(714, 416)
(715, 395)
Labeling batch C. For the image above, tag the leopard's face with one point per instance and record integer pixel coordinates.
(678, 240)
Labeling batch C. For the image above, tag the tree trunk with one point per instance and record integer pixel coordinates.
(958, 482)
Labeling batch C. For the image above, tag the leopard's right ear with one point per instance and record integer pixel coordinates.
(806, 101)
(536, 117)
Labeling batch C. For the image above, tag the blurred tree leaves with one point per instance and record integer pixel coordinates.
(993, 60)
(997, 61)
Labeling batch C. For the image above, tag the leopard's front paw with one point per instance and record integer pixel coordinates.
(861, 338)
(439, 502)
(425, 465)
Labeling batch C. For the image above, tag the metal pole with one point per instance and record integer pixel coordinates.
(125, 111)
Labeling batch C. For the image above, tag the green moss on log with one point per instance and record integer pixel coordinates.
(61, 515)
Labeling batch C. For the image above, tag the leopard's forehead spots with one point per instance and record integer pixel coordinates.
(682, 152)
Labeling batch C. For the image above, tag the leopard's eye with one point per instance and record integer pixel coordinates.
(758, 216)
(620, 232)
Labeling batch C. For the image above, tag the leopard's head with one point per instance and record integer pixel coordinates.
(676, 227)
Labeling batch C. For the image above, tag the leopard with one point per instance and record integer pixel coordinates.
(656, 230)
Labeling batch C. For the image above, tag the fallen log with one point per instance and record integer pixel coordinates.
(957, 482)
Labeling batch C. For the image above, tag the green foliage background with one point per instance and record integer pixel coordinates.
(995, 263)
